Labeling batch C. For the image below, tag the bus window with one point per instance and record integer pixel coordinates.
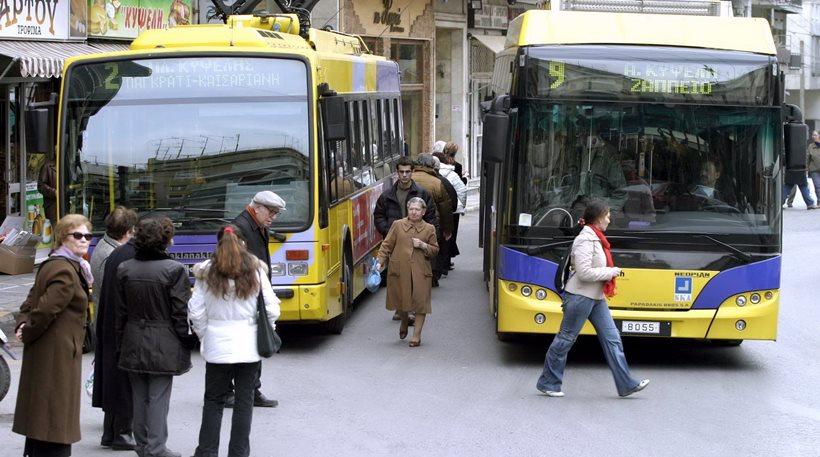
(366, 168)
(398, 145)
(383, 164)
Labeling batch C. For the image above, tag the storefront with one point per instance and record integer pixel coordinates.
(451, 77)
(32, 53)
(404, 32)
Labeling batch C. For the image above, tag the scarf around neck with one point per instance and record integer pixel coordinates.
(85, 267)
(609, 286)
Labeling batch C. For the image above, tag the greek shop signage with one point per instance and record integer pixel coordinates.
(34, 19)
(127, 18)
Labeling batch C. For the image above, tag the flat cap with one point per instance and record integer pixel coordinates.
(269, 199)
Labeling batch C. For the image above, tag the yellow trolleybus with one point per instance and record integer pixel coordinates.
(193, 121)
(679, 123)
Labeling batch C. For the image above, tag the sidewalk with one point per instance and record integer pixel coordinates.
(13, 291)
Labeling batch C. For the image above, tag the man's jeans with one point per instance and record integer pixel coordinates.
(577, 309)
(804, 190)
(218, 378)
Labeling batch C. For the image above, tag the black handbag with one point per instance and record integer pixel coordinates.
(90, 339)
(563, 271)
(267, 340)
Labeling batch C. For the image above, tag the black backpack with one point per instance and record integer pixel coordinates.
(562, 273)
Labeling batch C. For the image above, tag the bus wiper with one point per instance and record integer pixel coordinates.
(535, 250)
(737, 252)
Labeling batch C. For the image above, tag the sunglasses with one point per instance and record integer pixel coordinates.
(79, 236)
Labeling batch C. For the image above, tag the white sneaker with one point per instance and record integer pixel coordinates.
(641, 386)
(552, 393)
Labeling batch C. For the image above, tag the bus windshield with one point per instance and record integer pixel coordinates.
(662, 168)
(193, 138)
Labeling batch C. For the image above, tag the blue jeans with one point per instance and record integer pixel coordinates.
(815, 179)
(804, 190)
(577, 309)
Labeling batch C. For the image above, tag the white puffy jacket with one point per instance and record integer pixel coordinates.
(226, 327)
(449, 173)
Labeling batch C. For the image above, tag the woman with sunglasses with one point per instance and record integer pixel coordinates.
(51, 327)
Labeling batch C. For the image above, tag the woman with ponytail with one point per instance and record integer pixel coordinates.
(223, 312)
(591, 283)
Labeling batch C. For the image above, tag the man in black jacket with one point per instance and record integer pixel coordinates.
(254, 223)
(392, 203)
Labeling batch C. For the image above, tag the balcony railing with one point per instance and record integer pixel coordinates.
(687, 7)
(789, 6)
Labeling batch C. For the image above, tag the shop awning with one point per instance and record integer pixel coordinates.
(45, 59)
(494, 43)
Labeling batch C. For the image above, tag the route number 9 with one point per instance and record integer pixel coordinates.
(556, 70)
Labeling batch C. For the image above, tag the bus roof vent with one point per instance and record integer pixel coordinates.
(684, 7)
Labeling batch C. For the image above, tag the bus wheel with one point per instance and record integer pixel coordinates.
(337, 324)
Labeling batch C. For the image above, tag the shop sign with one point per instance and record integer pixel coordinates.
(34, 19)
(389, 16)
(127, 18)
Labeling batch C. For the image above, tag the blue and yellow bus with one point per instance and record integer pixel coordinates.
(192, 121)
(679, 124)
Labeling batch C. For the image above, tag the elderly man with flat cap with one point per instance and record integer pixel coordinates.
(254, 223)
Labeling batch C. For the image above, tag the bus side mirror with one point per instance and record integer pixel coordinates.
(496, 128)
(334, 118)
(38, 133)
(795, 136)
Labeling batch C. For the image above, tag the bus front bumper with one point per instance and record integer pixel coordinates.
(519, 314)
(303, 303)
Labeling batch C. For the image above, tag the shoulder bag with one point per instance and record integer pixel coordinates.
(267, 340)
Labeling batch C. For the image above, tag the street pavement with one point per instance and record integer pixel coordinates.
(462, 392)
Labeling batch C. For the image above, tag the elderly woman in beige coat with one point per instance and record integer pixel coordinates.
(410, 245)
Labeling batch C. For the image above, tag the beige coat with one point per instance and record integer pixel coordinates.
(409, 273)
(48, 399)
(589, 270)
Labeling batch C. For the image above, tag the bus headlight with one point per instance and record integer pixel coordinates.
(741, 300)
(540, 318)
(511, 286)
(768, 295)
(540, 294)
(740, 325)
(297, 269)
(526, 291)
(755, 298)
(277, 269)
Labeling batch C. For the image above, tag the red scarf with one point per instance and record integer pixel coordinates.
(609, 286)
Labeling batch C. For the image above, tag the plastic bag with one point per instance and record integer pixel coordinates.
(374, 278)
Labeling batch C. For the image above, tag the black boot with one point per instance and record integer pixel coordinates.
(261, 401)
(108, 430)
(123, 438)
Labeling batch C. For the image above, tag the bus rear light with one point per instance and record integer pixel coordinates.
(277, 269)
(297, 269)
(296, 254)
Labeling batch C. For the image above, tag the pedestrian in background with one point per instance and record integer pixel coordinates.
(426, 176)
(592, 282)
(813, 162)
(447, 170)
(112, 389)
(450, 150)
(409, 248)
(51, 327)
(223, 311)
(254, 226)
(152, 331)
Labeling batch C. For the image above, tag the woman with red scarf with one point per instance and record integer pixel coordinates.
(592, 279)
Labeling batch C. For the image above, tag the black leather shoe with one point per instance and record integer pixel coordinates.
(261, 401)
(123, 442)
(229, 400)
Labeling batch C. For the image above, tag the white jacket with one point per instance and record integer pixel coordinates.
(226, 327)
(449, 173)
(589, 270)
